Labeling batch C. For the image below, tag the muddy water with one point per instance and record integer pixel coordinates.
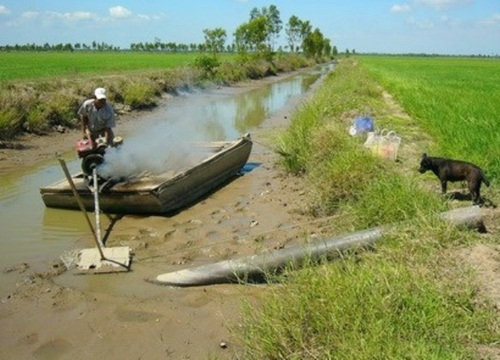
(33, 233)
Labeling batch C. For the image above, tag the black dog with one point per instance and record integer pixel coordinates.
(456, 170)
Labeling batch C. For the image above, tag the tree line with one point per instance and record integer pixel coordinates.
(95, 46)
(258, 35)
(261, 32)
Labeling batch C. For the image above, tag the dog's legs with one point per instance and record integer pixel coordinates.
(443, 186)
(475, 192)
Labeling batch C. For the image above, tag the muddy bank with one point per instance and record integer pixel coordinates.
(97, 314)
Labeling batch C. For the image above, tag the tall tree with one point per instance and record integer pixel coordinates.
(293, 32)
(252, 35)
(215, 40)
(314, 43)
(305, 29)
(273, 22)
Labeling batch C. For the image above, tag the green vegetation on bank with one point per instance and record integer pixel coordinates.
(53, 93)
(412, 296)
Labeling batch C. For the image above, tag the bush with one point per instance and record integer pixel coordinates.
(139, 95)
(45, 115)
(10, 123)
(230, 72)
(208, 64)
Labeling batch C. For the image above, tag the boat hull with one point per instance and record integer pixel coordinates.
(160, 194)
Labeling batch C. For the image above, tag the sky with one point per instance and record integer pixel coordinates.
(449, 27)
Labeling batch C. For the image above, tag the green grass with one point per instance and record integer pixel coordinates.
(388, 304)
(342, 175)
(43, 65)
(455, 100)
(411, 296)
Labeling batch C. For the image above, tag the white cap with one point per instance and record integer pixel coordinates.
(100, 93)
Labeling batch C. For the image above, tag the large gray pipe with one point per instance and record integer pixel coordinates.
(257, 266)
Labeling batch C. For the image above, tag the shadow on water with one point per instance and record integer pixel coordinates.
(32, 232)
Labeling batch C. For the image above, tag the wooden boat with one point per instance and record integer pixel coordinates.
(162, 193)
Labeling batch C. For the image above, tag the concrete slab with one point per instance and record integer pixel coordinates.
(117, 260)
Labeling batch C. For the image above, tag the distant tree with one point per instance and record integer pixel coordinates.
(335, 52)
(251, 36)
(293, 32)
(275, 24)
(272, 21)
(215, 40)
(214, 44)
(327, 47)
(305, 30)
(172, 47)
(313, 44)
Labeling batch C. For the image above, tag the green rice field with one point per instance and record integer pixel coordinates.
(41, 65)
(455, 100)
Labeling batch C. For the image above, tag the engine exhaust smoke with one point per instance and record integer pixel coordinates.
(160, 147)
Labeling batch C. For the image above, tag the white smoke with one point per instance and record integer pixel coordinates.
(159, 147)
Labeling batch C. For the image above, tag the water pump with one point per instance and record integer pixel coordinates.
(92, 152)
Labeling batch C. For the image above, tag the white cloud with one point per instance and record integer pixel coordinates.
(4, 10)
(50, 18)
(400, 8)
(30, 15)
(426, 24)
(119, 12)
(451, 22)
(73, 16)
(442, 4)
(493, 20)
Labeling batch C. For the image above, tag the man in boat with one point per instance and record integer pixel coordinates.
(98, 117)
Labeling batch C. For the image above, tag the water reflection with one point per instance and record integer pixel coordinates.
(229, 117)
(30, 232)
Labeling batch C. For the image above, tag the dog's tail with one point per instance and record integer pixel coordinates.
(485, 179)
